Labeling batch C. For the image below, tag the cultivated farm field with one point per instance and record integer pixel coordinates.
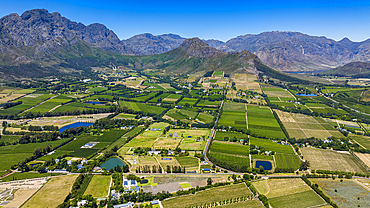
(52, 193)
(99, 186)
(345, 193)
(233, 114)
(302, 126)
(141, 107)
(209, 196)
(262, 122)
(271, 145)
(13, 154)
(331, 160)
(285, 192)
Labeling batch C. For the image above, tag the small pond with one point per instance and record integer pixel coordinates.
(93, 102)
(112, 162)
(308, 95)
(265, 164)
(75, 125)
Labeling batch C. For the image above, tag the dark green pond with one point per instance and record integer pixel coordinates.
(113, 162)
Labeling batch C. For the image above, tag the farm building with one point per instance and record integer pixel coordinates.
(129, 183)
(206, 169)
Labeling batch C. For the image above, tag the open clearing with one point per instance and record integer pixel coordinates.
(285, 192)
(331, 160)
(52, 193)
(98, 186)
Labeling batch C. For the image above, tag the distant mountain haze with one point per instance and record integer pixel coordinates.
(38, 35)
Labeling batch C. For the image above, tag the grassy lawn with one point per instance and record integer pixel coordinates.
(98, 186)
(185, 185)
(52, 193)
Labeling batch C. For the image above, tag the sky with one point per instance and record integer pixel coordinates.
(221, 20)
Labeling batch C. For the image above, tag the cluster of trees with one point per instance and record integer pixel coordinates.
(341, 144)
(227, 165)
(175, 169)
(11, 104)
(78, 189)
(41, 151)
(41, 128)
(341, 173)
(149, 169)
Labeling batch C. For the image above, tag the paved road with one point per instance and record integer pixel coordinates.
(211, 136)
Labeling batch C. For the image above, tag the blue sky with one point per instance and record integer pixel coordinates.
(220, 20)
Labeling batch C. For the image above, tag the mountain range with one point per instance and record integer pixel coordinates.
(41, 39)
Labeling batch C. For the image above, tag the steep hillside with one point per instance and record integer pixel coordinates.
(355, 69)
(293, 51)
(148, 44)
(36, 34)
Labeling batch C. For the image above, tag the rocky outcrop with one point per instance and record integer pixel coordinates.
(293, 51)
(148, 44)
(37, 33)
(198, 48)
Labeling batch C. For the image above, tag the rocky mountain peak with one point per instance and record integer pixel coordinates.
(196, 47)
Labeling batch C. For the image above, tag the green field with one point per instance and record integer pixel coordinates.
(205, 118)
(364, 141)
(142, 107)
(123, 139)
(74, 147)
(262, 122)
(159, 98)
(50, 104)
(190, 101)
(233, 115)
(218, 73)
(188, 162)
(27, 175)
(288, 192)
(287, 161)
(302, 199)
(208, 196)
(28, 101)
(229, 148)
(271, 146)
(9, 138)
(230, 159)
(220, 135)
(13, 154)
(99, 186)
